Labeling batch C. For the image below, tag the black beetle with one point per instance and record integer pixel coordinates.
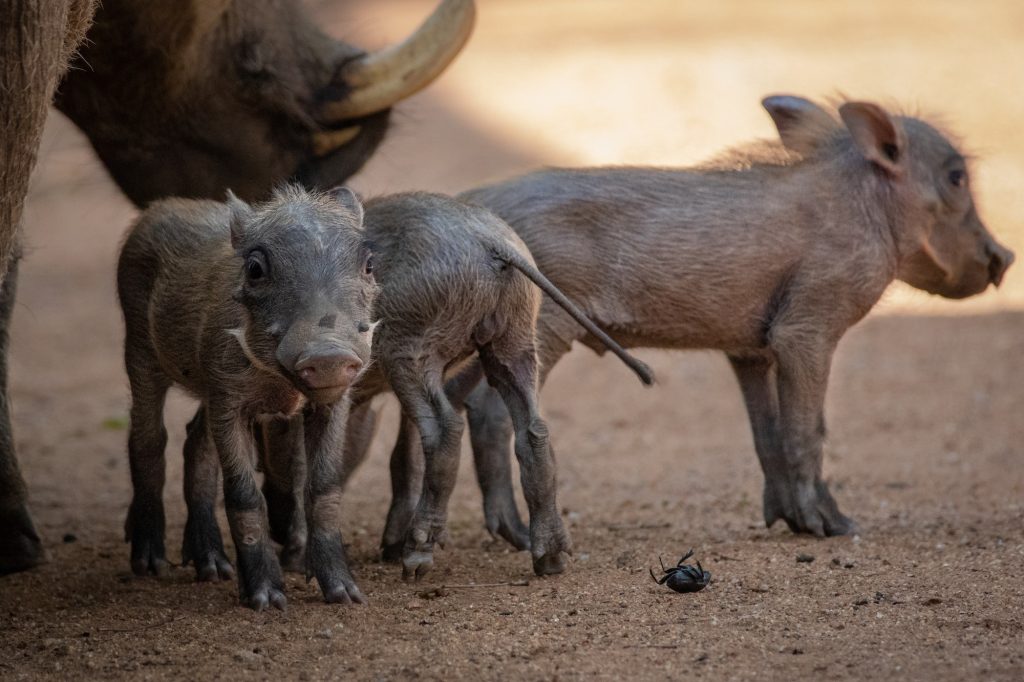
(683, 577)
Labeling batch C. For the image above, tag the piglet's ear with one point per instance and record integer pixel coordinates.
(348, 199)
(877, 135)
(801, 123)
(240, 213)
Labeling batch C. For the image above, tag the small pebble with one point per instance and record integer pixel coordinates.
(325, 634)
(413, 605)
(804, 558)
(69, 538)
(761, 589)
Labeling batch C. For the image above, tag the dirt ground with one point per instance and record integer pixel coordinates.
(926, 432)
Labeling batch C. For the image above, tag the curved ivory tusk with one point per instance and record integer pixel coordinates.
(329, 140)
(382, 78)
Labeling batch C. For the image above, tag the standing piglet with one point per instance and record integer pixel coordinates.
(457, 300)
(258, 312)
(769, 254)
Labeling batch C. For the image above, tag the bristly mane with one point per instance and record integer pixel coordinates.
(750, 155)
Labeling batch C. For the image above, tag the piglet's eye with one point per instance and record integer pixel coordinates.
(368, 266)
(957, 178)
(255, 268)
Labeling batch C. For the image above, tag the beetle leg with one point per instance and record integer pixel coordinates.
(663, 569)
(685, 557)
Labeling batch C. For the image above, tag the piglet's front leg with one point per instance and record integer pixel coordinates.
(324, 427)
(259, 574)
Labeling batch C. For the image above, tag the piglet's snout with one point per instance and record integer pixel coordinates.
(999, 261)
(327, 369)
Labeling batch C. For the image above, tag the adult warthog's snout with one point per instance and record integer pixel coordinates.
(999, 261)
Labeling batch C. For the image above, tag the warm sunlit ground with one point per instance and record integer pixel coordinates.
(926, 433)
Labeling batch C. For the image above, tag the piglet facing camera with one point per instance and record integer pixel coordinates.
(259, 312)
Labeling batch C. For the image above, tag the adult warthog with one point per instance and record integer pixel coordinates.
(190, 98)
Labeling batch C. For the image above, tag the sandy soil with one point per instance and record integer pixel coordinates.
(926, 436)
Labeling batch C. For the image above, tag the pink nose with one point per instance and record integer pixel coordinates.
(328, 370)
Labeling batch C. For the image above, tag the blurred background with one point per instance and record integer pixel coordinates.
(924, 406)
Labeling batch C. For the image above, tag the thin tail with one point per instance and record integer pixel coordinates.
(516, 260)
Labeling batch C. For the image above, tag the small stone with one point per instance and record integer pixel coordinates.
(69, 538)
(804, 558)
(325, 634)
(932, 601)
(413, 605)
(760, 589)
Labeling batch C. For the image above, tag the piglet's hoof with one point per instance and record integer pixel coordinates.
(502, 520)
(417, 564)
(203, 548)
(550, 546)
(550, 564)
(806, 508)
(418, 552)
(264, 597)
(20, 548)
(344, 594)
(212, 567)
(148, 559)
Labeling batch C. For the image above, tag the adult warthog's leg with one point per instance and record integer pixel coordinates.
(20, 547)
(36, 39)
